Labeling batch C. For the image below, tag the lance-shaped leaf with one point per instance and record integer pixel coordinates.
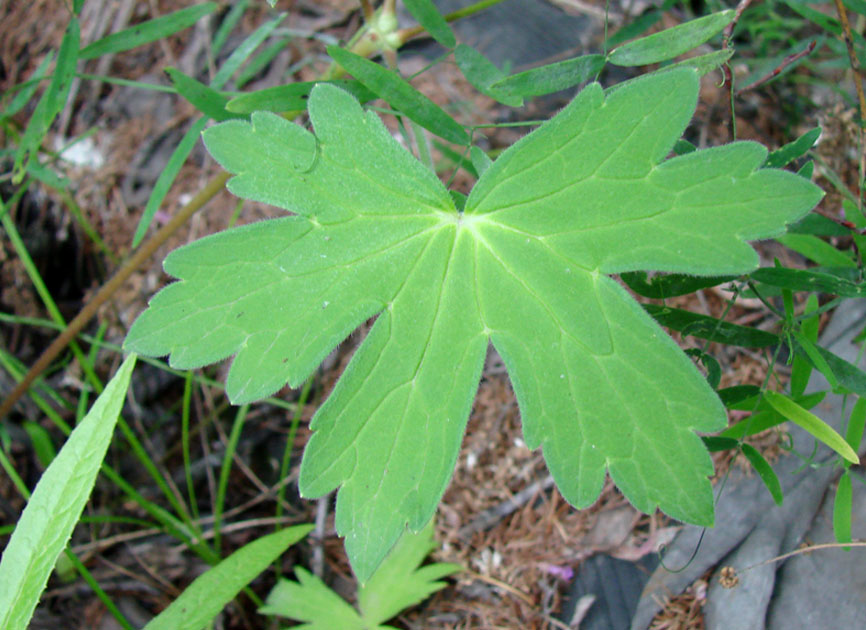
(600, 386)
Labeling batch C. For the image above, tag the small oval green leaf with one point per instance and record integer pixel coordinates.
(811, 423)
(671, 42)
(401, 95)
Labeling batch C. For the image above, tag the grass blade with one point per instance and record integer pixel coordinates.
(205, 99)
(27, 89)
(242, 52)
(671, 42)
(401, 95)
(146, 32)
(705, 327)
(62, 493)
(807, 420)
(292, 97)
(765, 471)
(52, 101)
(210, 592)
(482, 74)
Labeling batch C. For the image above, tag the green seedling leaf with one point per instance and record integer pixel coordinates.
(205, 99)
(524, 266)
(401, 95)
(401, 581)
(793, 150)
(292, 97)
(53, 100)
(817, 250)
(202, 600)
(552, 77)
(706, 327)
(842, 506)
(483, 73)
(147, 32)
(665, 286)
(398, 583)
(765, 471)
(429, 17)
(807, 420)
(56, 504)
(809, 280)
(671, 42)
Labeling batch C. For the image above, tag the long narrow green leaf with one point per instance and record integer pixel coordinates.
(241, 53)
(147, 32)
(669, 285)
(227, 24)
(817, 250)
(842, 505)
(856, 424)
(209, 593)
(819, 225)
(401, 95)
(807, 420)
(671, 42)
(552, 77)
(809, 280)
(52, 101)
(205, 99)
(705, 327)
(793, 150)
(166, 178)
(292, 97)
(849, 375)
(765, 471)
(482, 74)
(705, 64)
(26, 91)
(801, 367)
(429, 17)
(815, 357)
(57, 502)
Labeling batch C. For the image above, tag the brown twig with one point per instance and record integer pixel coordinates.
(109, 288)
(787, 61)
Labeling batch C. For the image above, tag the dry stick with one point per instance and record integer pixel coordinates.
(797, 552)
(787, 61)
(108, 289)
(858, 84)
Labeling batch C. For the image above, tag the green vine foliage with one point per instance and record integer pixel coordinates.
(523, 265)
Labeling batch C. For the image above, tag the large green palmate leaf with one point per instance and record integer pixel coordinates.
(600, 386)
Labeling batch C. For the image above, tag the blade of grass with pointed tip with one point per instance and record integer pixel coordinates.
(765, 472)
(146, 32)
(53, 100)
(56, 505)
(210, 592)
(429, 17)
(551, 77)
(401, 95)
(811, 350)
(842, 505)
(807, 420)
(482, 74)
(244, 50)
(671, 42)
(258, 63)
(849, 375)
(227, 24)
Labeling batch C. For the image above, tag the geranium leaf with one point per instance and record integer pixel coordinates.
(600, 386)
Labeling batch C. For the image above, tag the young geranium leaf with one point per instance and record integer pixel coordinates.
(600, 386)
